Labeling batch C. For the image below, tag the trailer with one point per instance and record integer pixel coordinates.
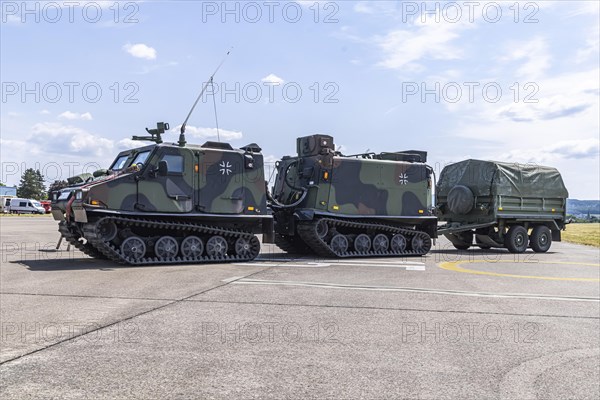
(492, 204)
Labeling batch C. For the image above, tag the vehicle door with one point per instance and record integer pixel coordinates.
(170, 190)
(221, 182)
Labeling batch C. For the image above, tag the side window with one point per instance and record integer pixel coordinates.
(22, 204)
(29, 205)
(174, 161)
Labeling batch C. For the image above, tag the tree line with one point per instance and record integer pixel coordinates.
(32, 185)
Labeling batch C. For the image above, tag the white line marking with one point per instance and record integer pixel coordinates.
(417, 290)
(279, 265)
(416, 268)
(408, 267)
(377, 262)
(233, 278)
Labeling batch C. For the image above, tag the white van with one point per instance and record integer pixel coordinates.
(5, 203)
(20, 206)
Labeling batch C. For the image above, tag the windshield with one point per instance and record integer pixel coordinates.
(36, 203)
(141, 158)
(119, 163)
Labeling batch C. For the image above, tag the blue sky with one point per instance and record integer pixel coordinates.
(379, 76)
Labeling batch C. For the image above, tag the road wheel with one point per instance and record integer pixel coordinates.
(247, 247)
(133, 248)
(362, 243)
(398, 243)
(108, 230)
(166, 248)
(339, 244)
(216, 247)
(421, 244)
(322, 229)
(541, 239)
(192, 246)
(381, 243)
(516, 240)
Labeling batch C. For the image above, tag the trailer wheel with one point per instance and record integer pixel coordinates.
(481, 245)
(466, 240)
(516, 240)
(541, 239)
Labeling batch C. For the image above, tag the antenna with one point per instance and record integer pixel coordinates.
(210, 80)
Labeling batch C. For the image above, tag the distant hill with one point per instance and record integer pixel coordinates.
(576, 207)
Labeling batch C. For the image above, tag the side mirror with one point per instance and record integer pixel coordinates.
(163, 167)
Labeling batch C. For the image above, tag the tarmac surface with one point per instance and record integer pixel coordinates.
(452, 324)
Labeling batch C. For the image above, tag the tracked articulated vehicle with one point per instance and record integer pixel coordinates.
(352, 206)
(169, 203)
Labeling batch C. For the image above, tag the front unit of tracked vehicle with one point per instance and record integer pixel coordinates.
(167, 203)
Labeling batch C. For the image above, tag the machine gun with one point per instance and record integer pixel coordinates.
(155, 137)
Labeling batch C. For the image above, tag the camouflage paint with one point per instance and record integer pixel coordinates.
(218, 181)
(354, 185)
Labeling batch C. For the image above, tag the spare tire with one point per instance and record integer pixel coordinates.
(460, 200)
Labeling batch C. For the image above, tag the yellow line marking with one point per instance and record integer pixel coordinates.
(454, 266)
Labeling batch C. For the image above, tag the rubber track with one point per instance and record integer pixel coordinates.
(113, 253)
(290, 245)
(72, 239)
(307, 232)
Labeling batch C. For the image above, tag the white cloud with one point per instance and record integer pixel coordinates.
(45, 112)
(405, 48)
(567, 149)
(140, 50)
(592, 46)
(311, 3)
(534, 54)
(579, 8)
(59, 138)
(208, 133)
(272, 79)
(363, 7)
(126, 144)
(547, 108)
(377, 8)
(559, 96)
(75, 116)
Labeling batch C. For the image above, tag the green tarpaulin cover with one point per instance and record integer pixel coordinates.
(492, 178)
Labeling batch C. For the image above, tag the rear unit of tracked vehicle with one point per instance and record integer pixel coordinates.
(352, 206)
